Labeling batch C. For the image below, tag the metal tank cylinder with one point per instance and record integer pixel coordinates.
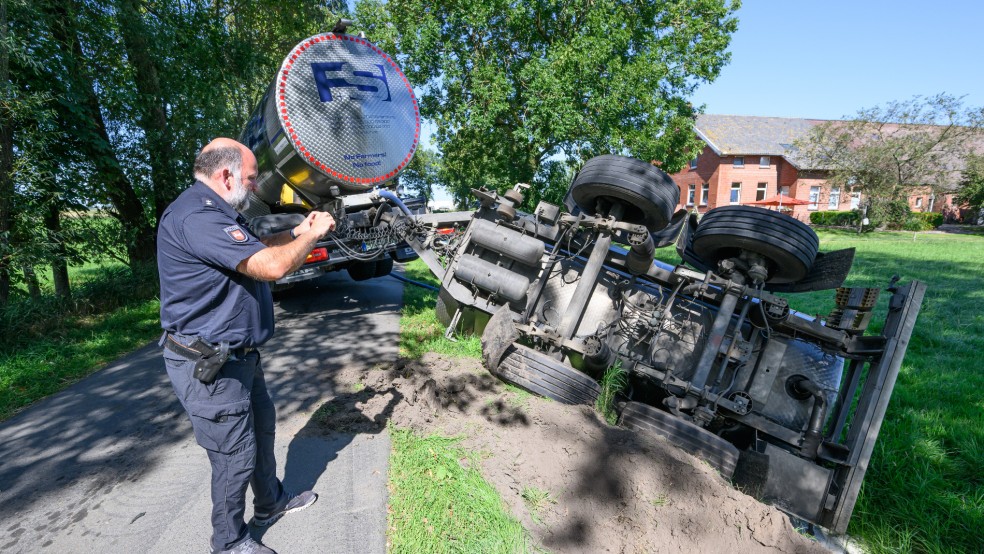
(339, 118)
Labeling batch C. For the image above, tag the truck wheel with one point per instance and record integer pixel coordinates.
(500, 332)
(384, 266)
(648, 194)
(789, 245)
(721, 454)
(543, 375)
(361, 271)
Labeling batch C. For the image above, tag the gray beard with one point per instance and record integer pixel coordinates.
(240, 197)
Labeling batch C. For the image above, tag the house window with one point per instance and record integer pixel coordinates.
(765, 161)
(919, 202)
(704, 191)
(784, 191)
(739, 161)
(761, 190)
(855, 200)
(814, 198)
(693, 163)
(735, 192)
(835, 198)
(692, 190)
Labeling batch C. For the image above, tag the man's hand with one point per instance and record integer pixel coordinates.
(282, 258)
(315, 220)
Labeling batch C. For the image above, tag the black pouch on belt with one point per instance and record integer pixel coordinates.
(211, 361)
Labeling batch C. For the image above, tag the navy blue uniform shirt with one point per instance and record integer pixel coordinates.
(200, 242)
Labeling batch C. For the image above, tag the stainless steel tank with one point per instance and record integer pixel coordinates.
(339, 118)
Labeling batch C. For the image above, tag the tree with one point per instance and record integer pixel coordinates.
(886, 152)
(514, 85)
(971, 191)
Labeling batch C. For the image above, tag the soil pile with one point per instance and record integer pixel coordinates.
(600, 488)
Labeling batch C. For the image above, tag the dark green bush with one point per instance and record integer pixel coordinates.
(916, 223)
(835, 219)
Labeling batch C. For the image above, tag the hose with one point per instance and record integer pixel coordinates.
(412, 282)
(392, 197)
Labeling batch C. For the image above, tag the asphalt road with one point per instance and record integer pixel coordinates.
(110, 464)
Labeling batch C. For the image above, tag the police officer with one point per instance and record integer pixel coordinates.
(216, 308)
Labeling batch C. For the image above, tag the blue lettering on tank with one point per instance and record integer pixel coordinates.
(329, 75)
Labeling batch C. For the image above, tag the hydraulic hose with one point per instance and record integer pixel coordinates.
(392, 197)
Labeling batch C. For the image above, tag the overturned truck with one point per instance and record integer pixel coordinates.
(786, 405)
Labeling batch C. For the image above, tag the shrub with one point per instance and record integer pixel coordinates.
(835, 219)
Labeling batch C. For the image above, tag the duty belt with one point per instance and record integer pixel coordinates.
(201, 348)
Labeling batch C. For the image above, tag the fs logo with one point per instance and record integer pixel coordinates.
(329, 75)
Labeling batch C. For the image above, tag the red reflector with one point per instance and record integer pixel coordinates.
(447, 231)
(317, 255)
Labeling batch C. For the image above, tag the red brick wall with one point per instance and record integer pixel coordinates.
(719, 173)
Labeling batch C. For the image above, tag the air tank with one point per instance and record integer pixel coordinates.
(339, 118)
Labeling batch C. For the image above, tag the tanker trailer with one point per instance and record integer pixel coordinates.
(332, 132)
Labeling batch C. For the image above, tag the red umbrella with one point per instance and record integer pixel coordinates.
(779, 200)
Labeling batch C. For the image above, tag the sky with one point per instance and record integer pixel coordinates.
(827, 60)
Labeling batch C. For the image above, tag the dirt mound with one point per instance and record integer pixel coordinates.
(590, 487)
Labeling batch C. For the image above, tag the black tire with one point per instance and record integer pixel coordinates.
(545, 376)
(721, 454)
(789, 245)
(384, 266)
(648, 194)
(500, 332)
(361, 271)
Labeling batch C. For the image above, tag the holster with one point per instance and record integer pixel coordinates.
(209, 358)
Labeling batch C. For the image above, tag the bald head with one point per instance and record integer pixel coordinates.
(228, 167)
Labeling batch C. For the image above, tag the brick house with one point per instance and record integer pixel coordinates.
(748, 158)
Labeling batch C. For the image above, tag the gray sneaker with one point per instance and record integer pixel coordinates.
(248, 546)
(294, 503)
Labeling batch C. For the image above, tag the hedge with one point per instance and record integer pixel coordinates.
(835, 219)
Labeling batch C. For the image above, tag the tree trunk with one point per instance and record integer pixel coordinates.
(94, 137)
(59, 263)
(153, 118)
(6, 167)
(31, 280)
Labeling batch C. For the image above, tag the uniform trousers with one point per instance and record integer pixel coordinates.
(235, 422)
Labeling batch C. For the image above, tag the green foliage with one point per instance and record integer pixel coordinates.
(439, 502)
(885, 152)
(971, 191)
(514, 85)
(613, 382)
(835, 219)
(537, 501)
(922, 221)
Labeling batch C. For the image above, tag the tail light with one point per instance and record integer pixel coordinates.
(317, 255)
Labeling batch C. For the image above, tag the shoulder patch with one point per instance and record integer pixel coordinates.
(208, 202)
(236, 233)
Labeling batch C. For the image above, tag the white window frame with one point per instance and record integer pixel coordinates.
(739, 161)
(705, 191)
(693, 163)
(765, 161)
(855, 200)
(919, 201)
(691, 193)
(784, 190)
(814, 198)
(735, 188)
(833, 202)
(762, 188)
